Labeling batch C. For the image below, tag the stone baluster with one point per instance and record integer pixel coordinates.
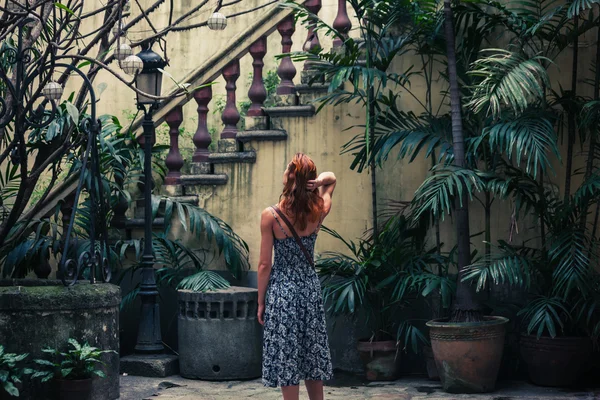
(231, 115)
(255, 118)
(174, 160)
(286, 70)
(257, 93)
(202, 138)
(341, 23)
(312, 39)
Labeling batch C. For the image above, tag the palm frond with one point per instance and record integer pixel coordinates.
(203, 281)
(506, 266)
(578, 6)
(569, 253)
(544, 315)
(529, 138)
(508, 79)
(215, 231)
(437, 193)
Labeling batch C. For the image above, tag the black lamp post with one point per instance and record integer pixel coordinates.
(149, 81)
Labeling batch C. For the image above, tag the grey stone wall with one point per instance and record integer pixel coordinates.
(35, 314)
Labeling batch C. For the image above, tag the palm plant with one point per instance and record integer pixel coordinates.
(380, 274)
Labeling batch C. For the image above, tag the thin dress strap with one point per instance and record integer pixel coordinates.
(278, 222)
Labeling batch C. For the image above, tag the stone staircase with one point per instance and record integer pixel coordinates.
(208, 169)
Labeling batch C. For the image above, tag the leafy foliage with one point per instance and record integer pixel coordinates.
(82, 361)
(377, 276)
(12, 371)
(508, 80)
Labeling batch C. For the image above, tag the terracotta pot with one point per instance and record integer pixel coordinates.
(555, 362)
(432, 372)
(80, 389)
(468, 355)
(380, 359)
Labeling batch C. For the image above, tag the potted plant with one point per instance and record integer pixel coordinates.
(11, 373)
(72, 370)
(561, 316)
(375, 280)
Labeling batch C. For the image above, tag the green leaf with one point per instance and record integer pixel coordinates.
(73, 112)
(10, 389)
(65, 8)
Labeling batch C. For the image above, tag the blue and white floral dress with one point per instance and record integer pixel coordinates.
(295, 345)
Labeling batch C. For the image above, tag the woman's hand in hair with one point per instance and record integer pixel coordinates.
(314, 184)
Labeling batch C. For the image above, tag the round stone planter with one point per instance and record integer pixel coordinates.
(219, 335)
(35, 314)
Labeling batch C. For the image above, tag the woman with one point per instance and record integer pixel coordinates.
(290, 304)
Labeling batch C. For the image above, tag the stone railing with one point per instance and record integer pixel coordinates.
(226, 63)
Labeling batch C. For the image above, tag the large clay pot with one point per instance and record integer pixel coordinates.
(468, 355)
(80, 389)
(555, 362)
(380, 359)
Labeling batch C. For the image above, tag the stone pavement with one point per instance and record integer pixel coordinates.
(346, 388)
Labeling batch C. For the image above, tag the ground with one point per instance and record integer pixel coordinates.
(346, 388)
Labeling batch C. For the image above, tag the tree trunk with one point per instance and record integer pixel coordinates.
(466, 307)
(589, 167)
(571, 111)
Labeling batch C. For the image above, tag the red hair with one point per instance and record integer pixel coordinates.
(296, 200)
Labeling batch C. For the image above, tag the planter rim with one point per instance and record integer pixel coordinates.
(442, 323)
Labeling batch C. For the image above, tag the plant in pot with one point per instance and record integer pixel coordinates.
(561, 316)
(374, 282)
(72, 371)
(12, 373)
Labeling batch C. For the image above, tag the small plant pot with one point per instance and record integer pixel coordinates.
(468, 355)
(556, 362)
(380, 359)
(80, 389)
(432, 372)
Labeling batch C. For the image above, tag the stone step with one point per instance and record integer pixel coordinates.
(204, 179)
(262, 135)
(290, 111)
(314, 88)
(233, 157)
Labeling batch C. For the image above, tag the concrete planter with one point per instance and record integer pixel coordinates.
(219, 335)
(35, 314)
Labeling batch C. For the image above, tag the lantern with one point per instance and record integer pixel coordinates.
(217, 22)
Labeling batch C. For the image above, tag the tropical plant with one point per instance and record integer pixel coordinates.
(12, 371)
(82, 361)
(378, 275)
(52, 38)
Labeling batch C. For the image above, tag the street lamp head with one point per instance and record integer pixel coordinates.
(52, 91)
(123, 51)
(150, 79)
(132, 65)
(217, 22)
